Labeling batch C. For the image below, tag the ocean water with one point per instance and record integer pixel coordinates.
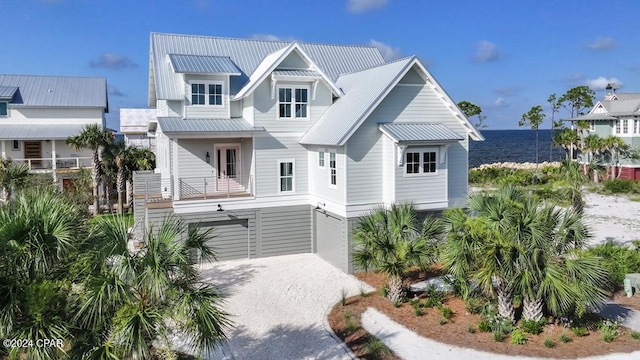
(513, 146)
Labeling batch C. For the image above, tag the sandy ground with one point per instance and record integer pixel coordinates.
(410, 346)
(612, 218)
(279, 307)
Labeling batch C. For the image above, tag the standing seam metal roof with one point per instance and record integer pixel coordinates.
(39, 132)
(136, 120)
(297, 73)
(7, 92)
(247, 54)
(56, 91)
(180, 125)
(403, 132)
(199, 64)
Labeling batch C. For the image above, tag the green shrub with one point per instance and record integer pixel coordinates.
(635, 335)
(609, 330)
(618, 259)
(475, 305)
(580, 331)
(498, 336)
(565, 338)
(484, 326)
(343, 297)
(532, 327)
(471, 329)
(446, 312)
(442, 321)
(434, 297)
(418, 311)
(620, 186)
(518, 337)
(377, 349)
(548, 343)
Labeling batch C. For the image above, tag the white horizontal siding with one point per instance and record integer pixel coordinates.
(364, 163)
(458, 168)
(320, 178)
(269, 150)
(236, 109)
(422, 188)
(206, 111)
(53, 116)
(192, 156)
(266, 108)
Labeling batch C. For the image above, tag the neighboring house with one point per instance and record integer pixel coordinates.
(134, 125)
(618, 114)
(281, 146)
(39, 113)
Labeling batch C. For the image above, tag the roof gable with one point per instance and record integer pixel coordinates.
(364, 91)
(56, 91)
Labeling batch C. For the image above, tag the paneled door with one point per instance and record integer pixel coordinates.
(229, 178)
(33, 150)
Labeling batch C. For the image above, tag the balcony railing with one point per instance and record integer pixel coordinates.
(46, 164)
(215, 187)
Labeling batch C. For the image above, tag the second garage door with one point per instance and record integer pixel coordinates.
(231, 239)
(330, 239)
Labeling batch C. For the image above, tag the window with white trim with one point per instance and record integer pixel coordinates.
(4, 108)
(15, 146)
(421, 162)
(207, 94)
(616, 129)
(321, 158)
(333, 172)
(637, 126)
(293, 102)
(625, 126)
(285, 174)
(592, 125)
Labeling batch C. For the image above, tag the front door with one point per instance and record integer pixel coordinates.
(228, 168)
(33, 150)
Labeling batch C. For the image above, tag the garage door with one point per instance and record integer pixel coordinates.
(330, 239)
(231, 238)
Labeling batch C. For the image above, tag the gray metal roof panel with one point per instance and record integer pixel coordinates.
(247, 54)
(179, 125)
(54, 91)
(136, 120)
(627, 96)
(361, 90)
(39, 132)
(297, 73)
(201, 64)
(593, 116)
(407, 132)
(7, 92)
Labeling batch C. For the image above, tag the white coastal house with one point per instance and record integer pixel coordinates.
(39, 113)
(281, 146)
(134, 125)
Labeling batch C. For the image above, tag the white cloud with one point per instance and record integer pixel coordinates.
(508, 91)
(602, 43)
(271, 37)
(600, 83)
(113, 91)
(113, 62)
(501, 103)
(486, 51)
(388, 53)
(359, 6)
(575, 77)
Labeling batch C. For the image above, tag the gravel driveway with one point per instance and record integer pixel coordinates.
(279, 306)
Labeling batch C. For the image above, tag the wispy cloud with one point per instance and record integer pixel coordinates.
(271, 37)
(501, 103)
(113, 91)
(388, 52)
(486, 51)
(508, 91)
(113, 62)
(359, 6)
(574, 78)
(602, 43)
(601, 82)
(202, 4)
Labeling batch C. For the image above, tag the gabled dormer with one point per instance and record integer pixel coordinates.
(6, 96)
(207, 84)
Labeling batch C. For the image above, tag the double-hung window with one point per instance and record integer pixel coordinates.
(637, 126)
(206, 94)
(333, 172)
(16, 145)
(285, 174)
(421, 162)
(293, 103)
(625, 126)
(321, 158)
(616, 129)
(4, 108)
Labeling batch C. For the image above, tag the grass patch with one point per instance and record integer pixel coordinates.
(580, 331)
(531, 326)
(518, 337)
(498, 336)
(446, 312)
(564, 338)
(376, 348)
(548, 343)
(635, 335)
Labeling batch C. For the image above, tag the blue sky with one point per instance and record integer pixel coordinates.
(503, 55)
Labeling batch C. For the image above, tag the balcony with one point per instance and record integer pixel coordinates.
(61, 164)
(214, 187)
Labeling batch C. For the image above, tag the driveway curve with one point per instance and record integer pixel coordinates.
(278, 306)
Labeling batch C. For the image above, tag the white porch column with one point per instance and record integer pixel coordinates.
(53, 160)
(3, 152)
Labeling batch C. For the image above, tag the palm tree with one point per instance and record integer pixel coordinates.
(575, 178)
(129, 303)
(12, 176)
(613, 145)
(594, 146)
(582, 126)
(567, 139)
(40, 232)
(95, 138)
(115, 158)
(389, 241)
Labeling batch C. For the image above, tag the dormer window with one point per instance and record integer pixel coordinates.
(293, 102)
(207, 94)
(4, 108)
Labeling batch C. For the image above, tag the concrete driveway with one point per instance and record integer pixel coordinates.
(278, 306)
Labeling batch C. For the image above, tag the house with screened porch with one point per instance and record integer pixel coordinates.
(282, 146)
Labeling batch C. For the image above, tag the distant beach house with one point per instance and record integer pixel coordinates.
(38, 114)
(134, 125)
(281, 146)
(617, 114)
